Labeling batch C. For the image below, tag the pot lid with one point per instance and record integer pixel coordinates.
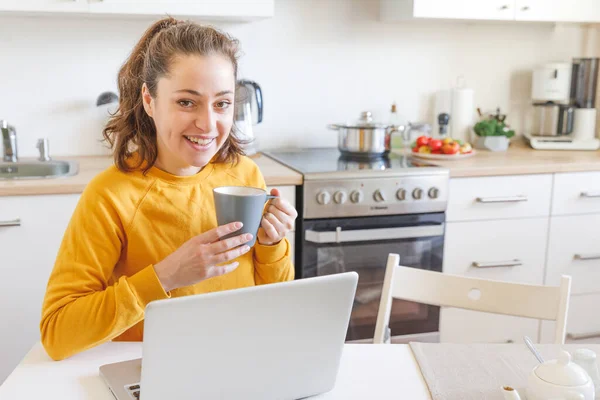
(562, 372)
(364, 122)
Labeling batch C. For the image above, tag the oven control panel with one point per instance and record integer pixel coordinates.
(375, 196)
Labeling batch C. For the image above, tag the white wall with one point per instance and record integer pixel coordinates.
(318, 62)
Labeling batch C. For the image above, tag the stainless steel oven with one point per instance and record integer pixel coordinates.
(362, 244)
(353, 213)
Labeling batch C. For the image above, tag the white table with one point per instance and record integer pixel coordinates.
(367, 371)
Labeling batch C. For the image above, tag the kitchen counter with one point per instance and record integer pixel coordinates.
(274, 173)
(521, 159)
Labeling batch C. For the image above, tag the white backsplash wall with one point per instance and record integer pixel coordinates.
(318, 62)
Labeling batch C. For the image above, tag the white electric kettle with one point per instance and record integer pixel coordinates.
(560, 379)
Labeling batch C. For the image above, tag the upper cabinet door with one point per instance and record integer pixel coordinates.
(44, 5)
(465, 9)
(397, 10)
(558, 10)
(212, 9)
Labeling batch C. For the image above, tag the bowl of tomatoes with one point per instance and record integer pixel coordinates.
(441, 149)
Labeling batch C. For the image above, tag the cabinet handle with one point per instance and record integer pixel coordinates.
(581, 336)
(585, 257)
(590, 195)
(504, 199)
(525, 8)
(14, 222)
(504, 7)
(498, 264)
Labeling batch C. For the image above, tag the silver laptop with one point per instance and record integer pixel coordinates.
(276, 341)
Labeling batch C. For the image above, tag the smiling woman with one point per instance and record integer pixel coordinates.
(145, 229)
(178, 83)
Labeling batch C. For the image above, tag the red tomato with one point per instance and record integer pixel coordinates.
(450, 148)
(423, 141)
(435, 144)
(415, 149)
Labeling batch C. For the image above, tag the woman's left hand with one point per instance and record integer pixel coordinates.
(277, 221)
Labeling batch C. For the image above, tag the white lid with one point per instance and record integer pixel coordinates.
(562, 371)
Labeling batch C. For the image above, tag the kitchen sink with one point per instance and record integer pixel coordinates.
(37, 169)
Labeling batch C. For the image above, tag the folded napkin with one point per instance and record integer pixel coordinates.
(478, 371)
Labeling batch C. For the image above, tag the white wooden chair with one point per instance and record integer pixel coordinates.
(497, 297)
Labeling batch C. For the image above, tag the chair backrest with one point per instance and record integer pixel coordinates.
(497, 297)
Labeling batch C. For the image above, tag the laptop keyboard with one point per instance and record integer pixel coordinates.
(133, 390)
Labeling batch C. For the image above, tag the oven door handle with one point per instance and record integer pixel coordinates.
(370, 235)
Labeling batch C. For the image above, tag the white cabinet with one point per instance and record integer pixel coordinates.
(31, 230)
(219, 9)
(502, 197)
(506, 250)
(547, 224)
(492, 10)
(497, 229)
(558, 10)
(55, 6)
(576, 193)
(583, 324)
(230, 10)
(574, 249)
(391, 10)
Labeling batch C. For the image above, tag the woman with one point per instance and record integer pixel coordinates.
(145, 229)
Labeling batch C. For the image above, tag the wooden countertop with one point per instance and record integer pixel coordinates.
(274, 173)
(520, 159)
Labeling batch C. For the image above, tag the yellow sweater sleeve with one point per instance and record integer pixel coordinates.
(272, 263)
(82, 307)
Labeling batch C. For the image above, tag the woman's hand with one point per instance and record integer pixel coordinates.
(277, 221)
(196, 259)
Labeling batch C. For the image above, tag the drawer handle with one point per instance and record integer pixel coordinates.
(499, 264)
(14, 222)
(582, 336)
(585, 257)
(505, 199)
(590, 195)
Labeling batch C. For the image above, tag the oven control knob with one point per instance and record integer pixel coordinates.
(323, 197)
(356, 196)
(417, 194)
(340, 197)
(378, 196)
(401, 194)
(434, 193)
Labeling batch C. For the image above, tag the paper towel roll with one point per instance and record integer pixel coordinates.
(462, 115)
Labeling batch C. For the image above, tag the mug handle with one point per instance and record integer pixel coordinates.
(271, 197)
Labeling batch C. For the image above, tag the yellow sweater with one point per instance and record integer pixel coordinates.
(123, 224)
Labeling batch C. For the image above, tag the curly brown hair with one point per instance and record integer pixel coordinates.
(130, 129)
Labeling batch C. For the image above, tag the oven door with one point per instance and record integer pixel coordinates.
(331, 246)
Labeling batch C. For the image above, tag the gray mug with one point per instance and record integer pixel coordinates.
(241, 203)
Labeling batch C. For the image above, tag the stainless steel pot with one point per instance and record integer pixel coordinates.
(365, 138)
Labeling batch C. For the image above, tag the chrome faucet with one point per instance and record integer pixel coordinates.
(9, 142)
(43, 147)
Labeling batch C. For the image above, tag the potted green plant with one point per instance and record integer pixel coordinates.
(492, 132)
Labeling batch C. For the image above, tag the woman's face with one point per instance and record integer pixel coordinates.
(192, 111)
